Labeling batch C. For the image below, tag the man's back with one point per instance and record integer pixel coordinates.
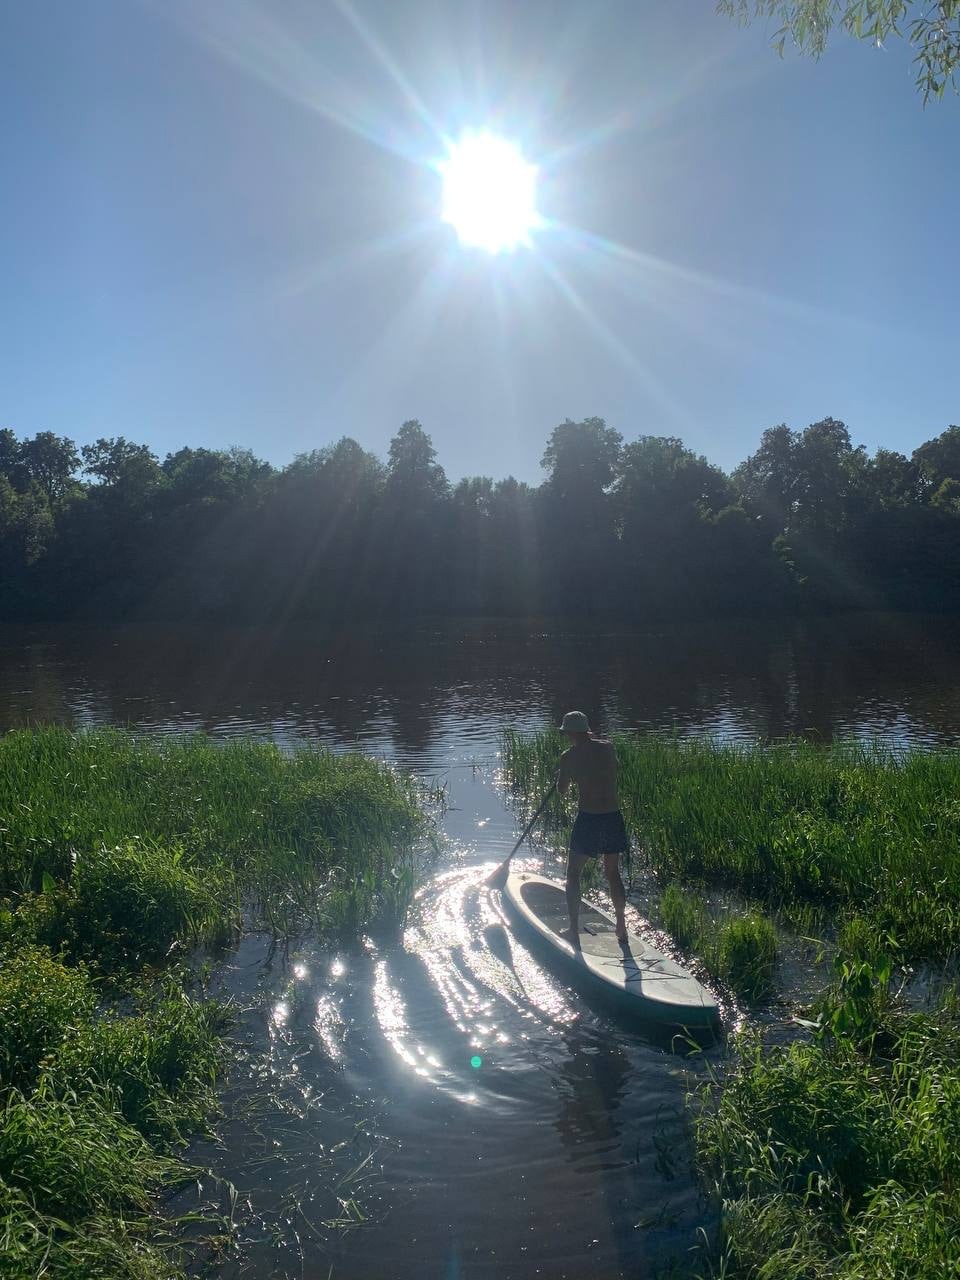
(592, 765)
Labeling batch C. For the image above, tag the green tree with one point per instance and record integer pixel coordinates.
(411, 550)
(11, 458)
(939, 459)
(205, 476)
(128, 471)
(581, 460)
(931, 26)
(578, 512)
(344, 471)
(26, 529)
(829, 471)
(50, 462)
(947, 497)
(891, 481)
(661, 481)
(413, 473)
(666, 495)
(767, 481)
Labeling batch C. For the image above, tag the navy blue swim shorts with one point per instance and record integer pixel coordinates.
(595, 834)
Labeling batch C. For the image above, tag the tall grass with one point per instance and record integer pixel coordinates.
(114, 851)
(837, 1159)
(117, 846)
(740, 950)
(847, 827)
(831, 1162)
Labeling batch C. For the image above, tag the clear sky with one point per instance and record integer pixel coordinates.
(220, 224)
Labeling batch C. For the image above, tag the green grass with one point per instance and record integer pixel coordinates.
(839, 1158)
(118, 846)
(684, 916)
(740, 950)
(847, 829)
(117, 852)
(830, 1162)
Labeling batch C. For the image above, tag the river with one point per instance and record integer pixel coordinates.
(480, 1118)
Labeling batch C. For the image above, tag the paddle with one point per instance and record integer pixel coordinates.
(498, 878)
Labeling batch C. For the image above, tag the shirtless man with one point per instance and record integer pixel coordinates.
(599, 830)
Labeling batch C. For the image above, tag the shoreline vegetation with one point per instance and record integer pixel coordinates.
(641, 529)
(118, 854)
(837, 1155)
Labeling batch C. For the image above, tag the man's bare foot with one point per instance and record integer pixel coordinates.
(572, 936)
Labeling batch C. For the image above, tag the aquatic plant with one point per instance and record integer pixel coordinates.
(832, 1162)
(740, 950)
(848, 828)
(684, 916)
(115, 851)
(113, 846)
(744, 954)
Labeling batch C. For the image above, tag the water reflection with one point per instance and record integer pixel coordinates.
(430, 696)
(505, 1096)
(466, 1083)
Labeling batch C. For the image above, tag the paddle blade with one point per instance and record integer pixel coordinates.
(497, 878)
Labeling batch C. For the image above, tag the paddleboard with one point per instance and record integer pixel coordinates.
(642, 981)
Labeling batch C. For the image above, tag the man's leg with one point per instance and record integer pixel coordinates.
(611, 867)
(575, 865)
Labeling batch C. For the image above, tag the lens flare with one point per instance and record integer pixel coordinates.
(489, 193)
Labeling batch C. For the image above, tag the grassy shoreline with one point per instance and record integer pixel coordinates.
(117, 854)
(847, 829)
(836, 1157)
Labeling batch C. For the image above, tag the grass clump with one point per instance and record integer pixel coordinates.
(740, 950)
(684, 916)
(32, 1245)
(124, 906)
(41, 1002)
(848, 827)
(745, 954)
(159, 1064)
(90, 1102)
(198, 828)
(114, 851)
(73, 1156)
(841, 1157)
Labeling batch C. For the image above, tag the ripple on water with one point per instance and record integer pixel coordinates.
(484, 1092)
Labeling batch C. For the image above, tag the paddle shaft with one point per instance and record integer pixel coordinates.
(530, 825)
(498, 878)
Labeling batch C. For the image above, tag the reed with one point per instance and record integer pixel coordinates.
(114, 846)
(739, 950)
(832, 1162)
(849, 828)
(116, 852)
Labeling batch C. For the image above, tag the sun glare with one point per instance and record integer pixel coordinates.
(489, 193)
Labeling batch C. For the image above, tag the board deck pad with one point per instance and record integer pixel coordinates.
(659, 986)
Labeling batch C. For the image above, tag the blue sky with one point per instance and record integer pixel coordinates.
(219, 224)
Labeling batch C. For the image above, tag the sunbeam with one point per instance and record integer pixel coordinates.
(379, 52)
(611, 250)
(614, 343)
(256, 42)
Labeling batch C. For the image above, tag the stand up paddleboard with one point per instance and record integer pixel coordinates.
(641, 981)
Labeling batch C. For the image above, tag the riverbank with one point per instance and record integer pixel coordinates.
(118, 854)
(837, 1155)
(840, 831)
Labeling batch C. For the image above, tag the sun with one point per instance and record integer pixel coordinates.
(489, 193)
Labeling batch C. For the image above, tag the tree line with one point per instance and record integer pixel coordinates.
(637, 529)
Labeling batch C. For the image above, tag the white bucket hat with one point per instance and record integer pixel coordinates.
(575, 722)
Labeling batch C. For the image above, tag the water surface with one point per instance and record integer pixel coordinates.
(478, 1115)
